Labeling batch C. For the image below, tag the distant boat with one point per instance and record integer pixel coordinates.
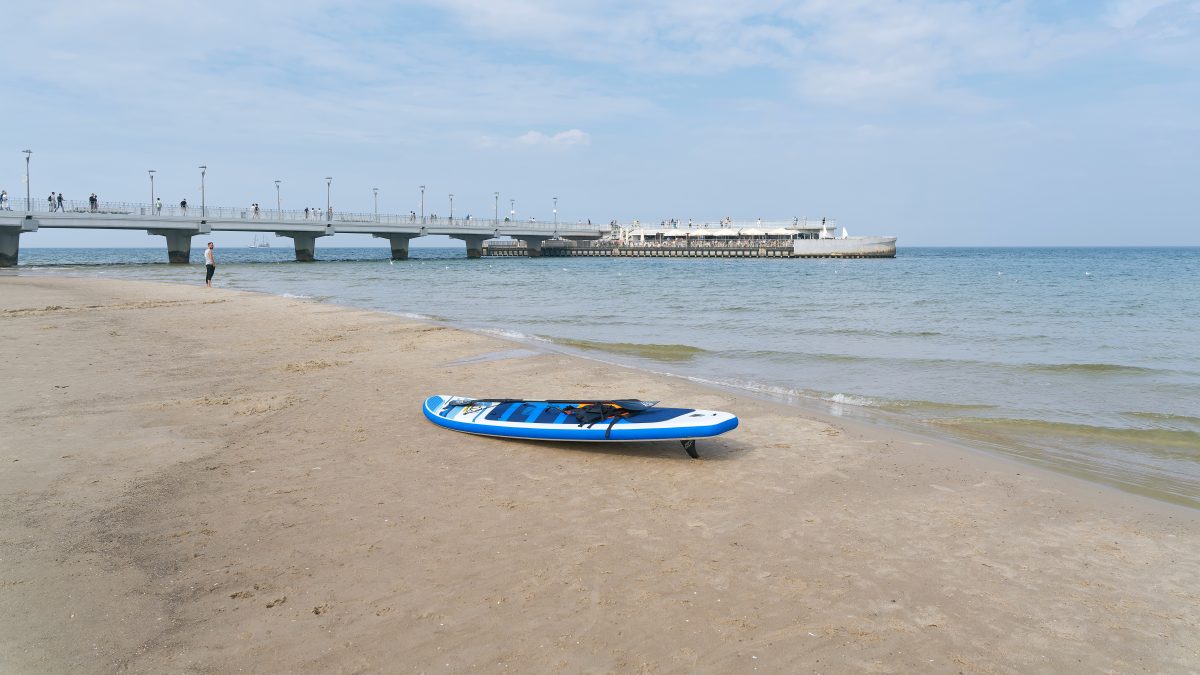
(260, 241)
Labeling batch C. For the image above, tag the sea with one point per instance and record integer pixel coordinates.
(1082, 360)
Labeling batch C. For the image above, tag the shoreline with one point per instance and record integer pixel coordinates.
(812, 404)
(218, 479)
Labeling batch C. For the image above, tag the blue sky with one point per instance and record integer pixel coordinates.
(945, 123)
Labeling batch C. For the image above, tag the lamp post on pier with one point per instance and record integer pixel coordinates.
(151, 172)
(28, 201)
(422, 203)
(328, 203)
(512, 210)
(556, 214)
(451, 207)
(278, 202)
(496, 208)
(203, 203)
(376, 191)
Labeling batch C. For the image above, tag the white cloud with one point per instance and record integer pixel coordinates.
(562, 139)
(1128, 13)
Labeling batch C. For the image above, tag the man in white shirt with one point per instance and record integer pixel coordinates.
(210, 264)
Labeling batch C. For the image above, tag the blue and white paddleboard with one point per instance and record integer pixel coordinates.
(614, 421)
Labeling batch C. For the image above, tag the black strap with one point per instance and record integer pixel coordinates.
(608, 431)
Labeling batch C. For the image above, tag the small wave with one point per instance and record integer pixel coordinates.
(867, 332)
(907, 405)
(512, 335)
(296, 296)
(1088, 368)
(649, 351)
(1167, 420)
(419, 317)
(1166, 442)
(850, 399)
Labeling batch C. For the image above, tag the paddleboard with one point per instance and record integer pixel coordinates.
(619, 420)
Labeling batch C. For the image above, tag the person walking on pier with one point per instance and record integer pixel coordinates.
(60, 202)
(183, 206)
(158, 206)
(4, 201)
(210, 265)
(50, 201)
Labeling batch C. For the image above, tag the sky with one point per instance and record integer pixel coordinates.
(1052, 122)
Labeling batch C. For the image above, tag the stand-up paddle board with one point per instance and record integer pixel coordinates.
(618, 420)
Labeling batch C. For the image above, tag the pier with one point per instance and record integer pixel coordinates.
(177, 225)
(797, 238)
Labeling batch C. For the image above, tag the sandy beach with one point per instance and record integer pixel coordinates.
(204, 480)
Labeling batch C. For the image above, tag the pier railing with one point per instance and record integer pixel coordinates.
(312, 216)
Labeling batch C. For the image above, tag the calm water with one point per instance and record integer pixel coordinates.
(1085, 360)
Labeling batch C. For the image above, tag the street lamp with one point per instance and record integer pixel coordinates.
(28, 201)
(422, 203)
(203, 204)
(328, 204)
(278, 202)
(151, 172)
(556, 213)
(512, 210)
(496, 215)
(376, 190)
(452, 207)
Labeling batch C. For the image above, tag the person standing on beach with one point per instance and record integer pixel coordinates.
(210, 265)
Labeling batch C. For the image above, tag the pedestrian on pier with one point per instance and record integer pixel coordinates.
(93, 202)
(330, 214)
(4, 201)
(60, 202)
(50, 201)
(158, 206)
(306, 213)
(183, 206)
(210, 265)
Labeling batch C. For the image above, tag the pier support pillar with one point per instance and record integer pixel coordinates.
(179, 244)
(306, 244)
(399, 244)
(533, 246)
(474, 243)
(10, 246)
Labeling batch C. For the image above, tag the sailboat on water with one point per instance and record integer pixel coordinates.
(260, 241)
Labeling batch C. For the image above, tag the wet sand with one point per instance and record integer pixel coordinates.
(209, 480)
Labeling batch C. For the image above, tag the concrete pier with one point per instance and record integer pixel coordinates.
(399, 244)
(306, 244)
(178, 225)
(179, 244)
(474, 243)
(533, 246)
(10, 246)
(10, 238)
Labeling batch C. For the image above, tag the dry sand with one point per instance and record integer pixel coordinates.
(198, 480)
